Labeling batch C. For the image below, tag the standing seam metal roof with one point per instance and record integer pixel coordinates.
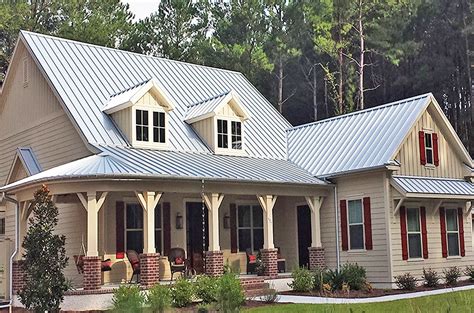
(411, 184)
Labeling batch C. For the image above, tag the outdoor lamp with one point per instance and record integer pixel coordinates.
(226, 221)
(179, 221)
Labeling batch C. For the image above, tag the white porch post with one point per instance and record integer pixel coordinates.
(267, 202)
(148, 200)
(314, 204)
(92, 206)
(213, 202)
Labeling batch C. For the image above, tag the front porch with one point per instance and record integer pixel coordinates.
(103, 220)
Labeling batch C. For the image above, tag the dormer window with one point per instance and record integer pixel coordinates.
(429, 155)
(222, 134)
(429, 148)
(142, 125)
(236, 135)
(159, 130)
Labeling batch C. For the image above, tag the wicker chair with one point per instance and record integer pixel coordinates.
(177, 259)
(251, 262)
(134, 260)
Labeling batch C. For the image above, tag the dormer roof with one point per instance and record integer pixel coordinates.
(130, 96)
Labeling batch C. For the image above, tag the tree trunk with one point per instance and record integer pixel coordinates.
(315, 91)
(280, 84)
(326, 96)
(340, 99)
(361, 61)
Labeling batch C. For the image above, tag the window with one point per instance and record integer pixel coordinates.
(236, 135)
(2, 226)
(356, 224)
(414, 233)
(134, 227)
(159, 127)
(250, 227)
(429, 148)
(452, 232)
(222, 134)
(142, 125)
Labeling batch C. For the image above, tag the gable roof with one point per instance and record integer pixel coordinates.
(364, 139)
(83, 76)
(29, 161)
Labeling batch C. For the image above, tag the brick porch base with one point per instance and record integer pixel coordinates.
(149, 269)
(269, 260)
(316, 258)
(18, 276)
(92, 273)
(214, 263)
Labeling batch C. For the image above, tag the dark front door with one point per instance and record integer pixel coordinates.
(304, 234)
(195, 236)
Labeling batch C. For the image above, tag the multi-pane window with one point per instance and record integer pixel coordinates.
(414, 233)
(452, 232)
(141, 123)
(134, 227)
(236, 132)
(250, 227)
(159, 127)
(222, 134)
(356, 224)
(429, 148)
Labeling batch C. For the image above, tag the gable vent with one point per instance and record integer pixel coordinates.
(25, 72)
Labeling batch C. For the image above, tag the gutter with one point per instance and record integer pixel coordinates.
(10, 287)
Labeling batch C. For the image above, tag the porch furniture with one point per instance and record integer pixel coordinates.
(251, 262)
(177, 260)
(281, 263)
(105, 266)
(134, 260)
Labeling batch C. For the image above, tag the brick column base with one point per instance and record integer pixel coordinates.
(18, 276)
(316, 258)
(149, 269)
(214, 263)
(269, 260)
(92, 273)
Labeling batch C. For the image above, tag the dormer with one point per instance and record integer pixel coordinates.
(219, 121)
(141, 112)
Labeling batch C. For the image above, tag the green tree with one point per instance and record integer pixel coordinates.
(44, 257)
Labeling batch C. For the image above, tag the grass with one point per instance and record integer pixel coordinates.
(461, 301)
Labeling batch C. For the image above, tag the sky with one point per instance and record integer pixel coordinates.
(142, 8)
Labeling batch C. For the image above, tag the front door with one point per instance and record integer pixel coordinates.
(304, 234)
(195, 235)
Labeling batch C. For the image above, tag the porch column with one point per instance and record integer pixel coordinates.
(316, 251)
(92, 263)
(214, 255)
(269, 253)
(149, 259)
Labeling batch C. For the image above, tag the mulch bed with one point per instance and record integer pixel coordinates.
(372, 294)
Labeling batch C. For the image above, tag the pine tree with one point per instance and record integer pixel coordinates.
(44, 257)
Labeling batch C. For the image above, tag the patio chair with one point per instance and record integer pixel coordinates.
(177, 259)
(134, 260)
(105, 265)
(251, 262)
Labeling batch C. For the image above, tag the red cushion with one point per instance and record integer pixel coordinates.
(120, 255)
(252, 258)
(178, 260)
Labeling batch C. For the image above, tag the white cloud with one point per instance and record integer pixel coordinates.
(142, 8)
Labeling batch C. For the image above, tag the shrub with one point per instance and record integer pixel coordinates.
(302, 280)
(206, 288)
(335, 279)
(270, 296)
(182, 293)
(230, 295)
(469, 271)
(451, 275)
(159, 298)
(127, 298)
(431, 278)
(320, 278)
(405, 282)
(354, 275)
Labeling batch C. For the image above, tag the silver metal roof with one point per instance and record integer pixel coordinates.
(205, 107)
(428, 185)
(29, 160)
(361, 140)
(84, 76)
(123, 162)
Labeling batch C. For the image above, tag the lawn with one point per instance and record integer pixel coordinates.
(461, 301)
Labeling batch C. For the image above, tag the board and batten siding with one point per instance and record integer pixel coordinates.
(123, 119)
(450, 165)
(206, 130)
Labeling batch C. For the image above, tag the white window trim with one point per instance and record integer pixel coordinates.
(125, 229)
(414, 232)
(229, 150)
(427, 164)
(349, 226)
(150, 143)
(452, 232)
(251, 227)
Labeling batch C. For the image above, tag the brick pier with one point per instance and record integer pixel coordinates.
(269, 260)
(149, 269)
(316, 258)
(214, 263)
(92, 273)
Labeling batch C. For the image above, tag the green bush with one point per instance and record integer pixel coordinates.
(469, 271)
(182, 293)
(159, 298)
(270, 296)
(321, 277)
(451, 275)
(431, 278)
(206, 288)
(354, 275)
(302, 280)
(230, 295)
(127, 299)
(405, 282)
(335, 279)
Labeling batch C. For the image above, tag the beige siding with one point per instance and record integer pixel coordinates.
(123, 119)
(149, 99)
(450, 165)
(227, 111)
(206, 130)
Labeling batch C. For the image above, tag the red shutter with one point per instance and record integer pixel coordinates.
(119, 230)
(166, 227)
(344, 235)
(442, 223)
(403, 232)
(461, 232)
(421, 135)
(424, 233)
(233, 228)
(435, 149)
(367, 224)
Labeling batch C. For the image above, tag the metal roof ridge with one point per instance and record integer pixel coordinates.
(375, 108)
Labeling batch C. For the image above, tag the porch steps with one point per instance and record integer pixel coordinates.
(254, 287)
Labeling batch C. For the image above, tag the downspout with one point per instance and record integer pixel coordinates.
(10, 287)
(336, 206)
